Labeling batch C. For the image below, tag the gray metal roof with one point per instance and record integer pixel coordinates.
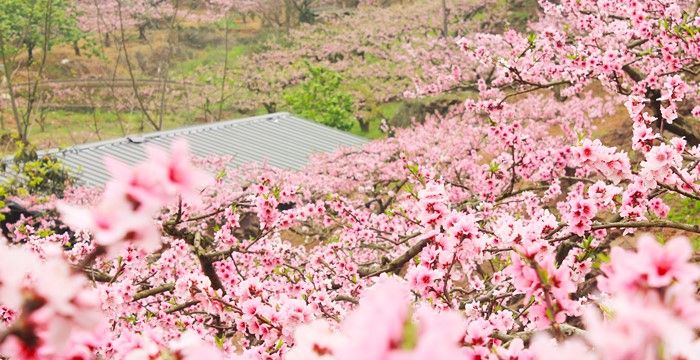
(283, 140)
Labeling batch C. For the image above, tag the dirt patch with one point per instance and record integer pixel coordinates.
(615, 130)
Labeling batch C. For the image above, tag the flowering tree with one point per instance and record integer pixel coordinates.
(108, 17)
(502, 230)
(116, 18)
(377, 50)
(642, 51)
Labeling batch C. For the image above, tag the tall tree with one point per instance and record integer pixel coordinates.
(26, 25)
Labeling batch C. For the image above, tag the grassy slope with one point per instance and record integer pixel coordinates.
(66, 127)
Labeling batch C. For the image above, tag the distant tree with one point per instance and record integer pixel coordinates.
(320, 98)
(285, 13)
(106, 17)
(305, 10)
(22, 24)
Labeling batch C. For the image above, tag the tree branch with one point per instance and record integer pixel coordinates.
(396, 264)
(649, 224)
(154, 291)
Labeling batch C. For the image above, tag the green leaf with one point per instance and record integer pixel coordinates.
(543, 275)
(587, 242)
(409, 340)
(531, 38)
(600, 259)
(550, 314)
(220, 341)
(131, 318)
(221, 174)
(414, 169)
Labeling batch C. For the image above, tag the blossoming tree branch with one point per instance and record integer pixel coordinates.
(503, 230)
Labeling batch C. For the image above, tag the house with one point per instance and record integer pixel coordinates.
(281, 139)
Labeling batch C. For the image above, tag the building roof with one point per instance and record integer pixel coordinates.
(283, 140)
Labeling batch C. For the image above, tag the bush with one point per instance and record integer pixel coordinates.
(31, 173)
(321, 99)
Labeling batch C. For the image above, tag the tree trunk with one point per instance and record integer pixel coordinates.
(142, 32)
(306, 14)
(445, 15)
(288, 15)
(364, 125)
(30, 52)
(11, 90)
(680, 126)
(270, 107)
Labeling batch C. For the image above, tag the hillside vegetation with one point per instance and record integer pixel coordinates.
(194, 64)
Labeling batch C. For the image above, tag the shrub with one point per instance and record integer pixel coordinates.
(320, 98)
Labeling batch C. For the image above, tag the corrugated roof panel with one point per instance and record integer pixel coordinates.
(249, 147)
(282, 140)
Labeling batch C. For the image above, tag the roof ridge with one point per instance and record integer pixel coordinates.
(170, 132)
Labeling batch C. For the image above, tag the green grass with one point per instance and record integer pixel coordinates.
(685, 210)
(387, 111)
(479, 16)
(373, 133)
(211, 56)
(65, 128)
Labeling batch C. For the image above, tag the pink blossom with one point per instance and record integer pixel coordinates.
(664, 264)
(669, 113)
(191, 346)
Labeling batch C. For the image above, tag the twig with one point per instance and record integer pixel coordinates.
(154, 291)
(397, 263)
